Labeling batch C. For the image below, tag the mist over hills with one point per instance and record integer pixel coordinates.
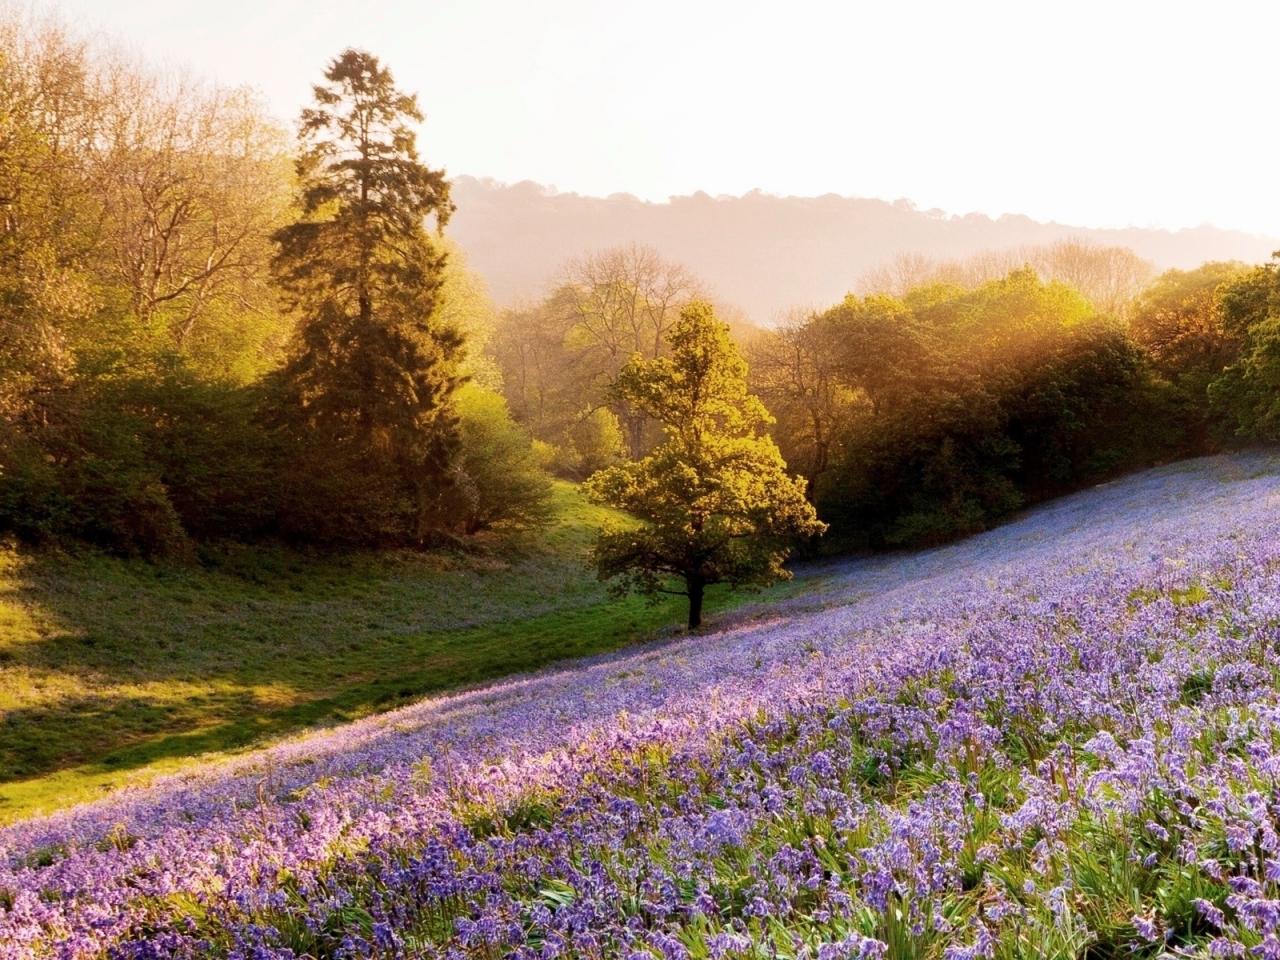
(766, 254)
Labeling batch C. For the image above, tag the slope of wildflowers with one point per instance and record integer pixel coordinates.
(1058, 739)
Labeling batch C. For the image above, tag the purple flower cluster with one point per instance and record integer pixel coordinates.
(1060, 736)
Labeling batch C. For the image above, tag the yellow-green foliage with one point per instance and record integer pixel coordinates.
(500, 480)
(715, 498)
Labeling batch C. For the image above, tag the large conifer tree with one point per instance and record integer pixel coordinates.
(373, 368)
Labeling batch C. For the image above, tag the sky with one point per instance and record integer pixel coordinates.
(1112, 113)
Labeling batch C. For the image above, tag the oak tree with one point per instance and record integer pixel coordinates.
(714, 499)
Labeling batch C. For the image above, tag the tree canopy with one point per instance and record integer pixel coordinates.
(948, 408)
(714, 498)
(1247, 392)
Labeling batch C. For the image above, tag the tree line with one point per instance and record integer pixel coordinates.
(946, 397)
(207, 334)
(933, 413)
(208, 331)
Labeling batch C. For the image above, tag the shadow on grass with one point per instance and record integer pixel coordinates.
(109, 667)
(237, 706)
(129, 732)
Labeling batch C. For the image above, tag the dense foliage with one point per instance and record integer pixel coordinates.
(365, 392)
(714, 497)
(185, 355)
(1056, 740)
(1248, 391)
(976, 402)
(1108, 277)
(560, 358)
(930, 415)
(971, 390)
(1180, 324)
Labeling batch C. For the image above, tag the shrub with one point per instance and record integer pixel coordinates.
(138, 466)
(501, 480)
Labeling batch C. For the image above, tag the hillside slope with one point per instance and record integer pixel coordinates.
(1046, 740)
(767, 254)
(112, 670)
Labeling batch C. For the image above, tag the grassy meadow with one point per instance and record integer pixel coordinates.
(114, 670)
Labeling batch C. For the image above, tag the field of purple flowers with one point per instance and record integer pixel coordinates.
(1057, 739)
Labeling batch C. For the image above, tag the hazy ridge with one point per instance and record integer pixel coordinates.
(764, 253)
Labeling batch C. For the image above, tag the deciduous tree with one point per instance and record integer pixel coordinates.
(1179, 323)
(191, 183)
(1109, 277)
(622, 302)
(714, 498)
(796, 370)
(1247, 393)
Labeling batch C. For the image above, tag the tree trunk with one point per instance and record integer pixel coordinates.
(695, 587)
(635, 434)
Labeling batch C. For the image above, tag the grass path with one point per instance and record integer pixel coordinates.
(113, 671)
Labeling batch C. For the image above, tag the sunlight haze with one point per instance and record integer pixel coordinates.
(639, 481)
(1092, 113)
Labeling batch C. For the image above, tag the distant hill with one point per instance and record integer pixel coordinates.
(766, 254)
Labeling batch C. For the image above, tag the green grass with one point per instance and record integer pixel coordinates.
(113, 670)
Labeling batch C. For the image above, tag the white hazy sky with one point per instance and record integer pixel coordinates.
(1092, 113)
